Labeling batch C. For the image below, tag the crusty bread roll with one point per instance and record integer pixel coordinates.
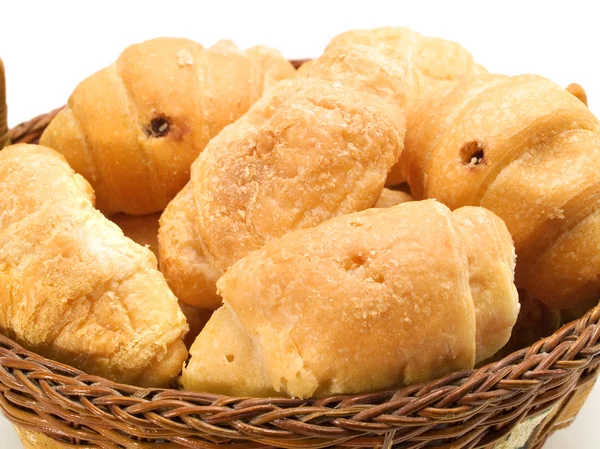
(274, 66)
(389, 198)
(72, 287)
(431, 63)
(526, 149)
(578, 91)
(312, 148)
(362, 302)
(189, 272)
(142, 229)
(134, 128)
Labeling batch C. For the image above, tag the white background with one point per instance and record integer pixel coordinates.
(49, 46)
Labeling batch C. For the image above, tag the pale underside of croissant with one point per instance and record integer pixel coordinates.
(362, 302)
(134, 128)
(72, 287)
(431, 63)
(312, 148)
(529, 151)
(389, 198)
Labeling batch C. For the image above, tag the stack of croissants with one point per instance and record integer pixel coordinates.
(216, 220)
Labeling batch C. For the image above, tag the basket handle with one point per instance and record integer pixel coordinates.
(4, 138)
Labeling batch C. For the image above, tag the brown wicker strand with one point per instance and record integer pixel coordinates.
(4, 136)
(31, 131)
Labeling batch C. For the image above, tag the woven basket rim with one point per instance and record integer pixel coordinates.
(529, 381)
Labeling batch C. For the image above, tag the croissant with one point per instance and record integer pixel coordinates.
(528, 151)
(143, 230)
(431, 63)
(134, 128)
(73, 288)
(311, 148)
(362, 302)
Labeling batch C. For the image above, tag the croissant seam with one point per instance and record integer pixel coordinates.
(142, 140)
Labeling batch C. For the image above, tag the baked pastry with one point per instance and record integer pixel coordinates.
(527, 150)
(578, 91)
(389, 198)
(134, 128)
(361, 302)
(274, 66)
(310, 149)
(183, 260)
(73, 288)
(431, 63)
(142, 229)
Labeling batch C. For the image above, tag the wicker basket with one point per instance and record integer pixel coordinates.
(514, 403)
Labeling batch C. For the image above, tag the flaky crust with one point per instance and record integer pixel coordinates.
(266, 176)
(431, 63)
(189, 272)
(143, 230)
(362, 302)
(308, 150)
(72, 287)
(528, 150)
(134, 128)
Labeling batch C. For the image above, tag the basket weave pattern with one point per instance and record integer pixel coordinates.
(540, 387)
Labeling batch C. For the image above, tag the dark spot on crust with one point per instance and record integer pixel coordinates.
(378, 277)
(354, 262)
(158, 127)
(472, 154)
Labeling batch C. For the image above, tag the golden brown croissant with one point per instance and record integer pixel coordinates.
(431, 63)
(310, 149)
(578, 91)
(72, 287)
(529, 151)
(134, 128)
(143, 230)
(362, 302)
